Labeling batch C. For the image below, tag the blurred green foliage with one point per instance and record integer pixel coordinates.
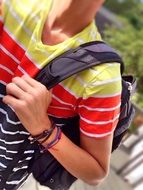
(131, 9)
(128, 39)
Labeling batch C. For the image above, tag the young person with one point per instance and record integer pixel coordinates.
(33, 33)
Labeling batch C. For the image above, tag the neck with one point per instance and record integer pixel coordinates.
(69, 17)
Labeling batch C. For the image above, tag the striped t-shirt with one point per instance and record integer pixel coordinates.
(93, 94)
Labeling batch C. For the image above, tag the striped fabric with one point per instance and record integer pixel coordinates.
(93, 94)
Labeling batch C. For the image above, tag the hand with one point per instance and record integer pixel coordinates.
(30, 100)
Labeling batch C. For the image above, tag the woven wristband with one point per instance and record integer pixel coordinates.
(43, 136)
(53, 142)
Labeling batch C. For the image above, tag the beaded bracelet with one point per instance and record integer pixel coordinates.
(42, 136)
(53, 142)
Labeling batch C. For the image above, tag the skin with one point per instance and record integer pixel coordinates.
(0, 7)
(30, 99)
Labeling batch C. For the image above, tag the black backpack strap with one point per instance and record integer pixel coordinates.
(76, 60)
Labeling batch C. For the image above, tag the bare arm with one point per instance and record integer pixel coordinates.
(89, 162)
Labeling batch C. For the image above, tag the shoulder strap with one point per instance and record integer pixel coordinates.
(76, 60)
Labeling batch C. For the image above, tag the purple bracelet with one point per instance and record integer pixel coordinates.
(53, 142)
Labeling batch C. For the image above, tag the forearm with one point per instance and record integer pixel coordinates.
(77, 161)
(27, 96)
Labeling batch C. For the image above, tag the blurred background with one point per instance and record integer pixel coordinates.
(121, 25)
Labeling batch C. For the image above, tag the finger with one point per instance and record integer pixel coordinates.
(22, 84)
(14, 90)
(11, 101)
(31, 81)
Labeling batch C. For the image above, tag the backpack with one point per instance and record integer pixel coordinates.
(45, 168)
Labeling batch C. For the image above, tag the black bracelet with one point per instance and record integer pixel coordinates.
(42, 136)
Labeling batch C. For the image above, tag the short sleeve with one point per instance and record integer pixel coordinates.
(100, 107)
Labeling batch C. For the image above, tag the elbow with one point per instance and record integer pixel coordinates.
(96, 181)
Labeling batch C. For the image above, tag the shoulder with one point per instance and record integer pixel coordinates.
(24, 11)
(17, 9)
(21, 18)
(104, 80)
